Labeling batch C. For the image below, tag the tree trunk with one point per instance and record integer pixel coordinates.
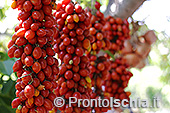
(124, 9)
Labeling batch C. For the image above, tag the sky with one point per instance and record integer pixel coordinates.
(156, 14)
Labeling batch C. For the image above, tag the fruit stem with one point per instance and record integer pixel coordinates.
(25, 75)
(109, 53)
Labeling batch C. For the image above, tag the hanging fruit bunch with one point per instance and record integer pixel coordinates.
(71, 45)
(119, 78)
(103, 71)
(76, 36)
(109, 79)
(116, 31)
(99, 73)
(96, 36)
(36, 66)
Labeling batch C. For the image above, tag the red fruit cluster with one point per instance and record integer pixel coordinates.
(120, 77)
(74, 82)
(117, 31)
(76, 36)
(97, 36)
(72, 22)
(71, 45)
(99, 70)
(108, 34)
(99, 73)
(109, 79)
(36, 66)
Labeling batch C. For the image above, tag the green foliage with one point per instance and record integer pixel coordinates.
(3, 56)
(161, 49)
(6, 66)
(7, 90)
(2, 13)
(7, 86)
(152, 92)
(3, 10)
(5, 105)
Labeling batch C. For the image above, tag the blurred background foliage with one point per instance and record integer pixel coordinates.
(147, 83)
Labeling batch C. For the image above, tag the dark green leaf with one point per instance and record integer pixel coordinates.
(12, 91)
(7, 86)
(5, 108)
(6, 67)
(1, 14)
(3, 56)
(7, 100)
(1, 81)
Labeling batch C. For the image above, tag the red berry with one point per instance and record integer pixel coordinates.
(50, 60)
(17, 66)
(41, 32)
(83, 72)
(36, 82)
(70, 84)
(70, 49)
(97, 5)
(50, 51)
(65, 2)
(18, 53)
(100, 66)
(36, 67)
(41, 76)
(69, 8)
(36, 2)
(78, 8)
(37, 52)
(67, 58)
(47, 9)
(68, 74)
(39, 101)
(48, 104)
(20, 41)
(68, 109)
(27, 6)
(11, 51)
(28, 61)
(28, 49)
(34, 26)
(41, 109)
(48, 71)
(45, 93)
(79, 51)
(62, 69)
(36, 15)
(22, 95)
(76, 95)
(24, 109)
(76, 77)
(119, 21)
(47, 84)
(76, 60)
(26, 77)
(46, 2)
(29, 91)
(15, 103)
(66, 41)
